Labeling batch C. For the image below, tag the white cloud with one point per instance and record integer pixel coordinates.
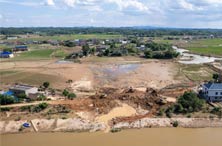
(50, 2)
(122, 4)
(70, 3)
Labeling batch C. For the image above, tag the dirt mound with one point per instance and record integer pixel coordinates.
(176, 90)
(149, 100)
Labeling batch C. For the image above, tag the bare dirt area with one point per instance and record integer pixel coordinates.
(36, 72)
(155, 74)
(90, 74)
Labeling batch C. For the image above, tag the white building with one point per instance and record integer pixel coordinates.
(212, 91)
(24, 89)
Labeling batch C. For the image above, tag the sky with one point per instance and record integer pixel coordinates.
(111, 13)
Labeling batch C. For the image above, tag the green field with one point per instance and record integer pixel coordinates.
(35, 54)
(206, 47)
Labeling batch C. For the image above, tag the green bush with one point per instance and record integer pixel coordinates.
(46, 84)
(65, 93)
(175, 124)
(188, 103)
(71, 96)
(5, 109)
(40, 107)
(4, 100)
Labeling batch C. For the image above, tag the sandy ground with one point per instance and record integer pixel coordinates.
(122, 111)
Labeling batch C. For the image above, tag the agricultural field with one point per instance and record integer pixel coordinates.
(210, 47)
(206, 47)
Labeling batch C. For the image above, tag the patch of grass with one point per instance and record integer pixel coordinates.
(205, 46)
(197, 72)
(35, 54)
(7, 72)
(59, 54)
(207, 50)
(32, 78)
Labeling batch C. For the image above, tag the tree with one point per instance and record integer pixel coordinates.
(5, 99)
(189, 102)
(216, 77)
(148, 54)
(65, 93)
(71, 96)
(46, 84)
(86, 50)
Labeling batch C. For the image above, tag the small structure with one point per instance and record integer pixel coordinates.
(12, 37)
(20, 48)
(212, 92)
(6, 54)
(29, 91)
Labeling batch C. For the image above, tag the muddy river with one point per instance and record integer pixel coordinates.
(142, 137)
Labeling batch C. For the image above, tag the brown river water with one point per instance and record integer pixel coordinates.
(141, 137)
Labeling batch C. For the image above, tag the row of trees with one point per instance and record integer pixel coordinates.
(136, 31)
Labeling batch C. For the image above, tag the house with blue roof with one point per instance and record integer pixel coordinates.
(20, 48)
(6, 54)
(212, 92)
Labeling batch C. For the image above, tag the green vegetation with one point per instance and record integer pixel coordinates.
(46, 85)
(71, 96)
(217, 111)
(65, 92)
(175, 124)
(188, 103)
(35, 54)
(5, 109)
(196, 72)
(59, 53)
(5, 99)
(40, 107)
(205, 46)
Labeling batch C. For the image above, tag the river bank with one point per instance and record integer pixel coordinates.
(81, 125)
(142, 137)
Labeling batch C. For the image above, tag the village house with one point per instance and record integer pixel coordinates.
(12, 37)
(6, 54)
(212, 92)
(20, 48)
(29, 91)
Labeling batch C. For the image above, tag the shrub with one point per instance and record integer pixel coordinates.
(4, 99)
(41, 97)
(65, 92)
(26, 108)
(114, 130)
(46, 84)
(71, 96)
(175, 124)
(5, 109)
(188, 103)
(217, 111)
(40, 107)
